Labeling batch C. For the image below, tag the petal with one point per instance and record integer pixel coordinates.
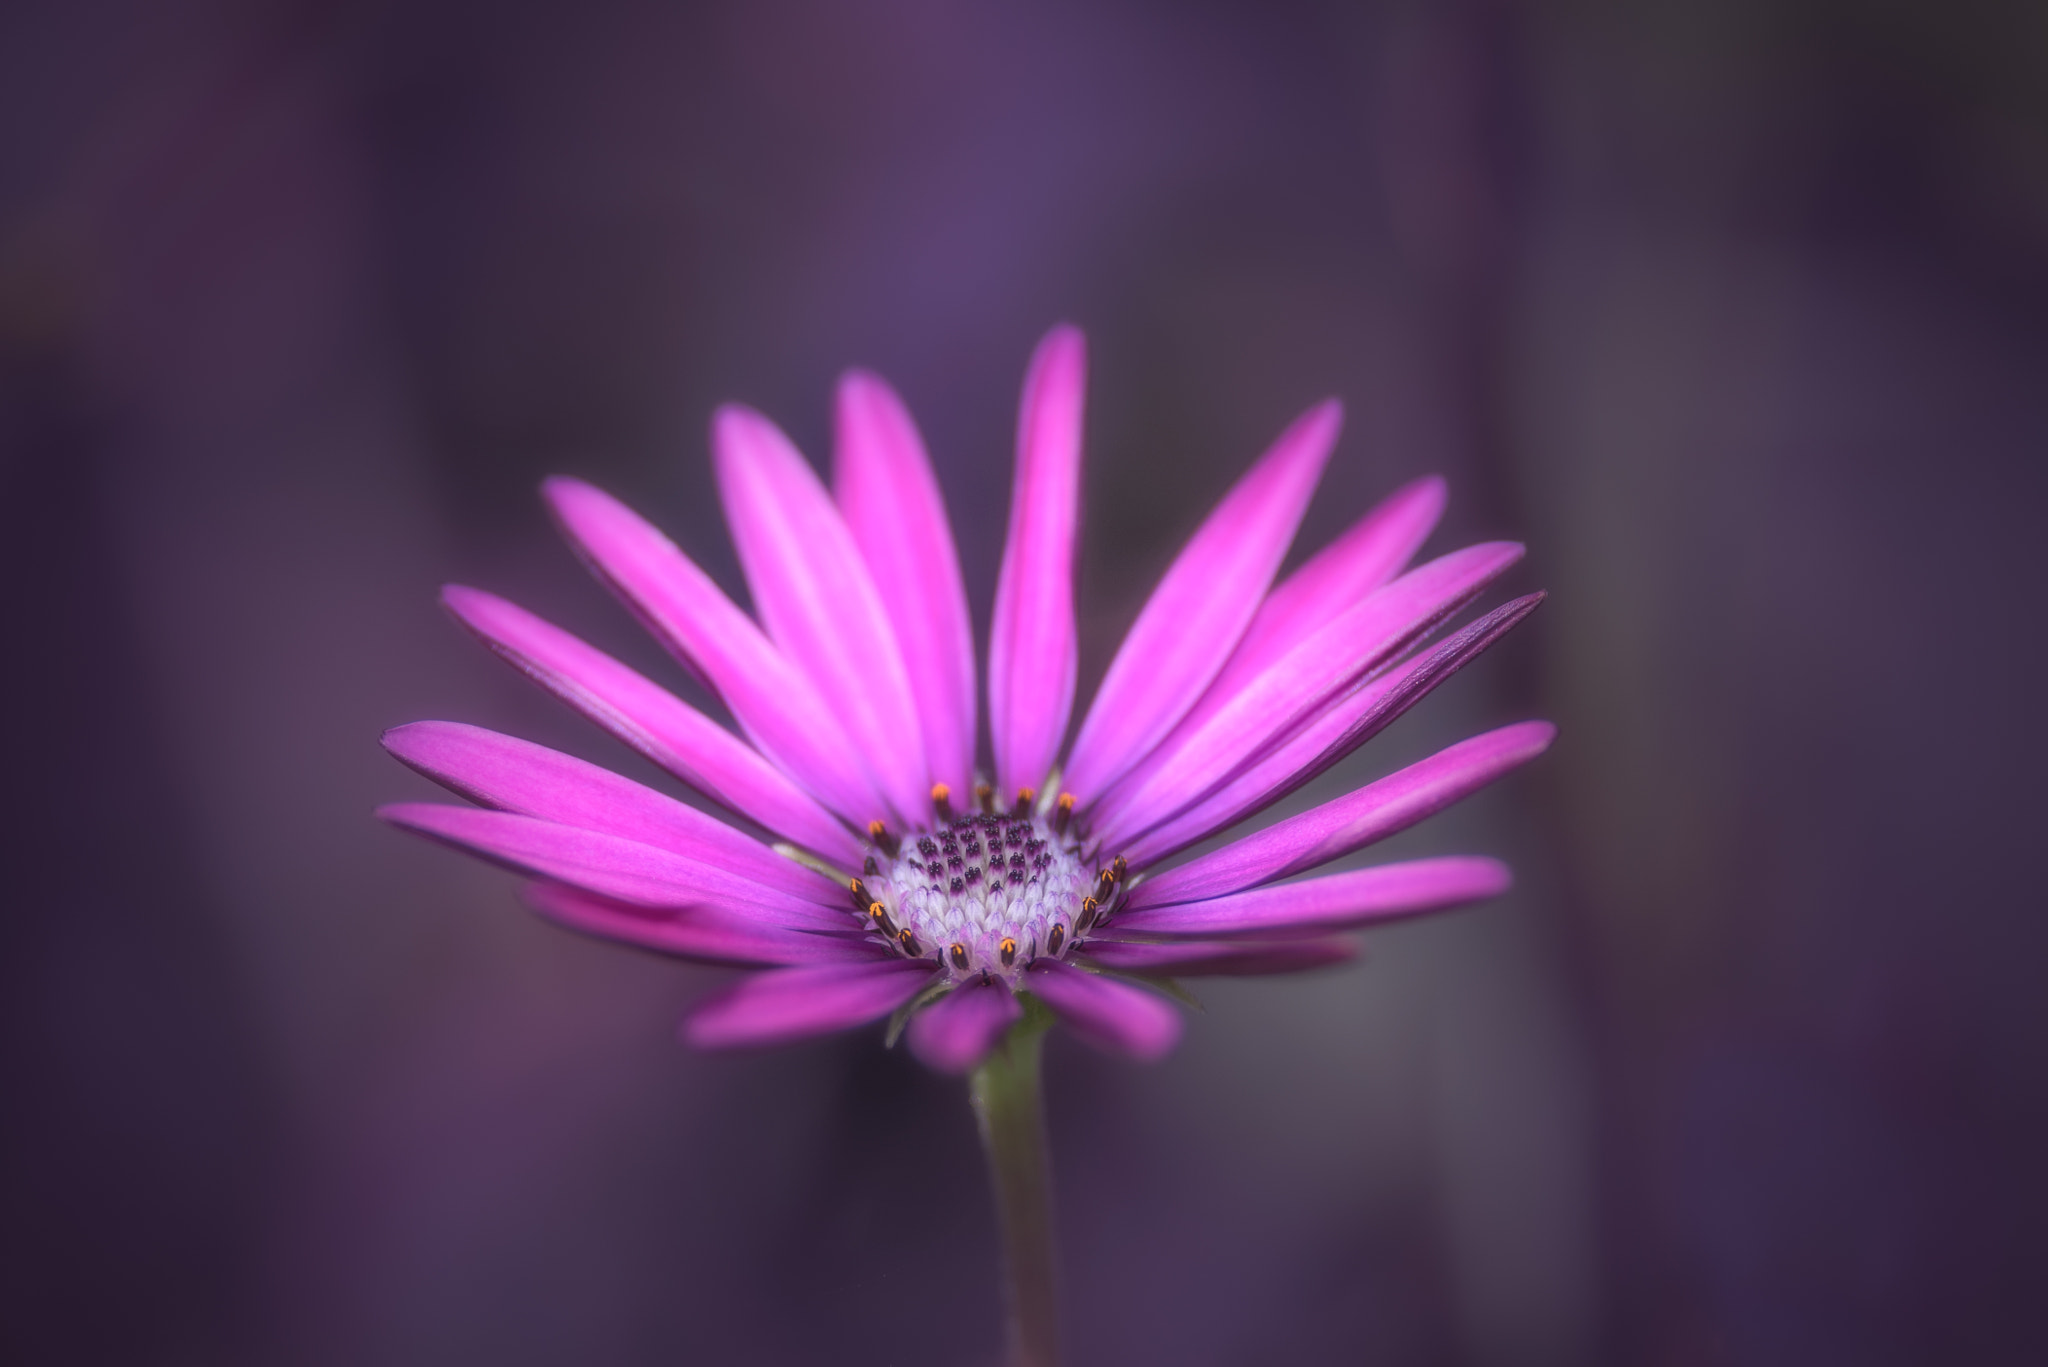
(812, 590)
(1031, 649)
(1196, 616)
(1335, 829)
(1288, 695)
(1316, 906)
(1218, 958)
(518, 776)
(1343, 573)
(1364, 558)
(655, 722)
(621, 869)
(704, 935)
(787, 1004)
(891, 502)
(1106, 1012)
(1343, 728)
(955, 1032)
(773, 700)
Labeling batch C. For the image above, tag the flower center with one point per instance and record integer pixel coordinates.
(984, 893)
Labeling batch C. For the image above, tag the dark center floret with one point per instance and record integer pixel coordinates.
(985, 892)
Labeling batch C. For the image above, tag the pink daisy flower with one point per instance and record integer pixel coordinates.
(875, 867)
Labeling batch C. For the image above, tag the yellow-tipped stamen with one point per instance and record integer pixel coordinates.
(942, 801)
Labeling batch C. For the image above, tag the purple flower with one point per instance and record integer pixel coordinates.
(896, 881)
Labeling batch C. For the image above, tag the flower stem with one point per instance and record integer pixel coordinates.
(1007, 1103)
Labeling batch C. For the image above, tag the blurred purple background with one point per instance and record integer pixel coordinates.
(1736, 312)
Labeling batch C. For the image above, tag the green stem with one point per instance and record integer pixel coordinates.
(1007, 1103)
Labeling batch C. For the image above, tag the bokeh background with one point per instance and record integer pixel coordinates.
(1735, 310)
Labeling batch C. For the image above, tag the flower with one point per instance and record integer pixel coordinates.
(900, 884)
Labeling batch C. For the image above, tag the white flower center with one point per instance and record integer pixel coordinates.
(984, 893)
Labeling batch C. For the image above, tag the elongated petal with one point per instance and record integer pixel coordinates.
(519, 776)
(1332, 736)
(957, 1031)
(1218, 958)
(654, 722)
(1196, 616)
(1316, 906)
(1369, 554)
(812, 590)
(1032, 652)
(1112, 1014)
(1338, 578)
(605, 864)
(773, 700)
(1287, 696)
(703, 935)
(1344, 727)
(786, 1004)
(890, 499)
(1352, 822)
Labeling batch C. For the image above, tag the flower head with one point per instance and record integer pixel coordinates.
(895, 878)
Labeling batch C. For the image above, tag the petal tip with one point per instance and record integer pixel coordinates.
(1490, 877)
(691, 1030)
(577, 505)
(1061, 356)
(399, 739)
(560, 489)
(402, 814)
(866, 401)
(461, 599)
(862, 385)
(746, 438)
(737, 418)
(1428, 495)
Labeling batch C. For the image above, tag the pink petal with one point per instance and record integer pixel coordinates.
(787, 1004)
(1106, 1012)
(773, 700)
(1343, 573)
(515, 775)
(1341, 729)
(1288, 695)
(812, 590)
(1195, 617)
(957, 1031)
(1218, 958)
(1317, 906)
(704, 935)
(1335, 829)
(655, 722)
(1369, 554)
(1032, 654)
(891, 502)
(605, 864)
